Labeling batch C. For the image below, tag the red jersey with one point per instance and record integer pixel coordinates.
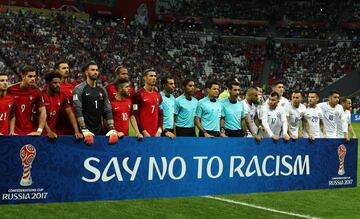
(148, 115)
(54, 106)
(7, 105)
(64, 127)
(26, 99)
(121, 110)
(111, 90)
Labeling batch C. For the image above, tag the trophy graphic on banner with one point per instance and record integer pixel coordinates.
(341, 153)
(27, 155)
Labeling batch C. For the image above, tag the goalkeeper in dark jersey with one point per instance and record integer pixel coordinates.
(92, 106)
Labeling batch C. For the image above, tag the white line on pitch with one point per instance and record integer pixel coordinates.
(259, 207)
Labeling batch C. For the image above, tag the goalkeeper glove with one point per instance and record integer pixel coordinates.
(113, 136)
(88, 136)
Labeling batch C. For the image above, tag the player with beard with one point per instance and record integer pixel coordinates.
(7, 107)
(146, 106)
(55, 103)
(121, 106)
(28, 97)
(185, 107)
(346, 104)
(313, 118)
(279, 88)
(120, 73)
(295, 113)
(168, 106)
(251, 114)
(92, 106)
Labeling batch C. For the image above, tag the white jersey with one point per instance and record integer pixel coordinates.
(295, 115)
(347, 117)
(333, 118)
(313, 117)
(273, 120)
(250, 110)
(282, 102)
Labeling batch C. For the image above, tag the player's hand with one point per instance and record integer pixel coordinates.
(208, 135)
(120, 134)
(311, 138)
(139, 136)
(158, 134)
(300, 135)
(146, 134)
(293, 136)
(347, 137)
(286, 137)
(170, 135)
(1, 134)
(12, 133)
(354, 136)
(52, 135)
(258, 138)
(78, 135)
(223, 135)
(275, 137)
(113, 136)
(34, 133)
(88, 136)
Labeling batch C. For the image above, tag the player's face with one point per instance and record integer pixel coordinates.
(334, 99)
(234, 92)
(30, 78)
(296, 99)
(92, 72)
(313, 99)
(190, 88)
(213, 92)
(253, 96)
(63, 70)
(123, 73)
(55, 85)
(260, 92)
(273, 102)
(279, 89)
(348, 104)
(150, 78)
(124, 90)
(4, 82)
(170, 86)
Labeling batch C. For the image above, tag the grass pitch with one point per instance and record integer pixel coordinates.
(330, 203)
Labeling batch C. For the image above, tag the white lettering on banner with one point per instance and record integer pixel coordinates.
(105, 177)
(270, 165)
(300, 166)
(25, 194)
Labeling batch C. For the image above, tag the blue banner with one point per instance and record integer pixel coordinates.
(37, 169)
(355, 117)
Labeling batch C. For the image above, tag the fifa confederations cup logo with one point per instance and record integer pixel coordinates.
(341, 152)
(27, 155)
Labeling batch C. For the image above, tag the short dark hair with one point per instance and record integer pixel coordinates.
(2, 73)
(334, 92)
(210, 83)
(86, 66)
(233, 83)
(274, 94)
(276, 83)
(58, 63)
(251, 89)
(164, 80)
(119, 82)
(313, 92)
(229, 81)
(117, 69)
(51, 75)
(297, 92)
(146, 72)
(27, 68)
(187, 81)
(343, 100)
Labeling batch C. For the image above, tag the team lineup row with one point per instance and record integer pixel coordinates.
(88, 109)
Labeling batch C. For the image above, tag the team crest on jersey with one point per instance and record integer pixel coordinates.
(336, 114)
(100, 96)
(31, 98)
(9, 105)
(278, 115)
(301, 115)
(58, 103)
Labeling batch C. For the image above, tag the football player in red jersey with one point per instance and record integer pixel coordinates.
(65, 127)
(56, 102)
(7, 105)
(149, 116)
(28, 97)
(120, 73)
(122, 109)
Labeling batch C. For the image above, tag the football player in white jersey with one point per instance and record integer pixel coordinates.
(251, 118)
(313, 118)
(295, 113)
(334, 117)
(347, 104)
(279, 88)
(273, 119)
